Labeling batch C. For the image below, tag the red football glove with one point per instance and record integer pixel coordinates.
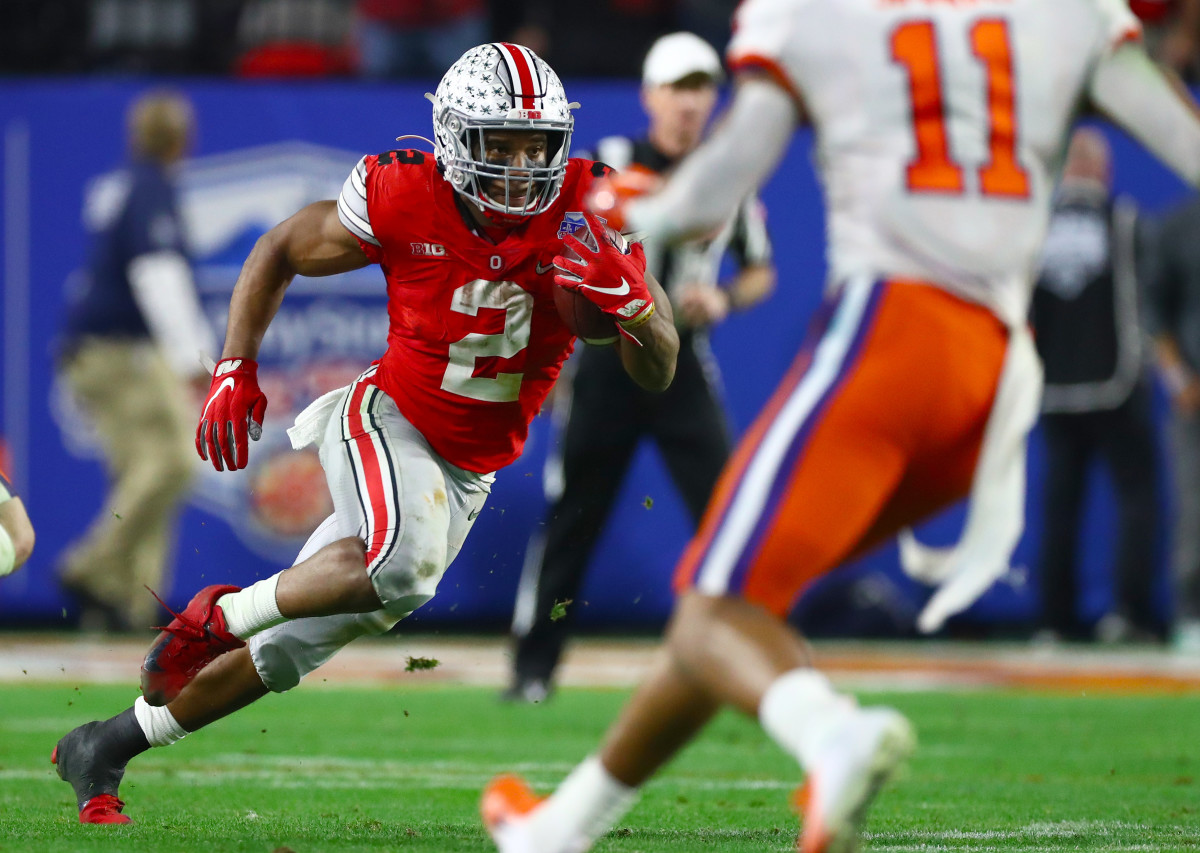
(610, 194)
(234, 410)
(612, 280)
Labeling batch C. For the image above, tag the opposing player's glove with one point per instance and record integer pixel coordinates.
(612, 279)
(232, 412)
(611, 194)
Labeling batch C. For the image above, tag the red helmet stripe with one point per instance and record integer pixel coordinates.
(521, 69)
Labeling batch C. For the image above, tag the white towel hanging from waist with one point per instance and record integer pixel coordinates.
(310, 424)
(996, 513)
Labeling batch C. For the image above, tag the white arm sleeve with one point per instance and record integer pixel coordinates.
(163, 289)
(1131, 90)
(713, 180)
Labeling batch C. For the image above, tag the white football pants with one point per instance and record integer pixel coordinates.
(412, 508)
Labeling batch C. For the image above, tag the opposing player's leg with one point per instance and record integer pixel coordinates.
(820, 476)
(666, 712)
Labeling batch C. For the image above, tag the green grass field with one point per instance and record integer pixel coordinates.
(400, 769)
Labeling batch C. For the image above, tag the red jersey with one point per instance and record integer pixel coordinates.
(474, 339)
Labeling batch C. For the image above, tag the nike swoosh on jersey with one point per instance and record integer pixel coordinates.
(542, 270)
(614, 291)
(225, 383)
(473, 514)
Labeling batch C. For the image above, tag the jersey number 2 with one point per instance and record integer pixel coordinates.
(914, 45)
(517, 305)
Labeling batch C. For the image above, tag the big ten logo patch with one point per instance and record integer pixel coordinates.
(431, 250)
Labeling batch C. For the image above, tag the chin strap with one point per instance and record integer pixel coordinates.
(503, 220)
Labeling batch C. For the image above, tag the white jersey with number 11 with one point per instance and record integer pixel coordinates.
(941, 125)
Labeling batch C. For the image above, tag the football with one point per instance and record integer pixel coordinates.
(580, 314)
(583, 318)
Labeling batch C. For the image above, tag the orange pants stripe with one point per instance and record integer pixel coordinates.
(878, 424)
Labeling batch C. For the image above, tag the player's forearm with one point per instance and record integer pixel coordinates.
(652, 365)
(256, 297)
(1154, 108)
(313, 242)
(710, 183)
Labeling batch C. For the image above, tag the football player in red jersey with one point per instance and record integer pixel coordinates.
(471, 242)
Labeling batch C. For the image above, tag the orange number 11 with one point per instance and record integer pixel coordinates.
(914, 45)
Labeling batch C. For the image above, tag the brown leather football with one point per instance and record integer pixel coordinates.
(589, 323)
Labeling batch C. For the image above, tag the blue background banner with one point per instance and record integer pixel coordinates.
(263, 151)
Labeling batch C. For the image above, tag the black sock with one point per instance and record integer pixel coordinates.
(122, 738)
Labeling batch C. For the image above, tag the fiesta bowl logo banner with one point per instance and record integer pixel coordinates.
(327, 331)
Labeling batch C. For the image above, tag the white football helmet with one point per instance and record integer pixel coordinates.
(501, 86)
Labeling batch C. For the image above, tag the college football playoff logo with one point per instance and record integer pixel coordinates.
(571, 224)
(575, 223)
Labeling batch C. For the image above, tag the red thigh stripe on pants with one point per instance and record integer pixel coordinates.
(721, 556)
(374, 472)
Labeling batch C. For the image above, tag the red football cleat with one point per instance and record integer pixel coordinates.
(83, 759)
(103, 809)
(505, 799)
(194, 639)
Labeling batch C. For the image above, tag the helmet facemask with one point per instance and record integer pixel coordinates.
(476, 97)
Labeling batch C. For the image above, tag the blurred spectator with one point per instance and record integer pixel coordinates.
(1172, 29)
(416, 38)
(601, 39)
(1097, 398)
(1173, 311)
(133, 338)
(294, 38)
(605, 416)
